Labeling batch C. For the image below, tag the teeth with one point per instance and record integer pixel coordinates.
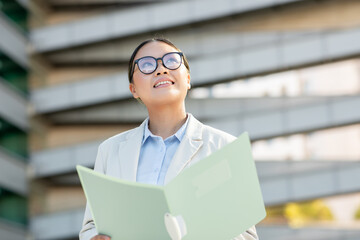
(163, 82)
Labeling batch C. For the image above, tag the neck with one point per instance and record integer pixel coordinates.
(166, 121)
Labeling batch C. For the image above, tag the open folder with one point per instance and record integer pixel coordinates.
(217, 198)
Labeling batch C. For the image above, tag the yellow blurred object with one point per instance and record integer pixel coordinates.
(300, 214)
(357, 214)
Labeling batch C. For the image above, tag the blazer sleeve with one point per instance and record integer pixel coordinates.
(88, 229)
(249, 234)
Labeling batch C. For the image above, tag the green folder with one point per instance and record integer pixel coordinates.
(216, 198)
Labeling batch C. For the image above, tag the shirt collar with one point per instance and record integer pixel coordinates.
(147, 132)
(179, 134)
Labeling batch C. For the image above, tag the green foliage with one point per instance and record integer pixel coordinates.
(357, 214)
(299, 214)
(275, 211)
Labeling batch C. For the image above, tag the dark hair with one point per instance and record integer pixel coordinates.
(132, 58)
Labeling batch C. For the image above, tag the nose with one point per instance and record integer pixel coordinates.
(160, 68)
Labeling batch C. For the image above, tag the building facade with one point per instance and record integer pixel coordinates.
(286, 71)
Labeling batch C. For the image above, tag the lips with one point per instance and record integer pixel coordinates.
(162, 82)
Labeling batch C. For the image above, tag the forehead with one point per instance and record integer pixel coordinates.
(155, 49)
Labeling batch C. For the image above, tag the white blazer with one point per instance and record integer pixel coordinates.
(118, 157)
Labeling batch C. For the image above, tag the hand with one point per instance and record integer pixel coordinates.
(101, 237)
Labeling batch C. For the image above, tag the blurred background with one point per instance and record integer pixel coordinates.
(286, 71)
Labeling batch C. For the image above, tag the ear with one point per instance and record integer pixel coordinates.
(133, 91)
(188, 81)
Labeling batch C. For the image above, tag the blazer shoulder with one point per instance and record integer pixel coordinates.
(209, 134)
(120, 137)
(217, 135)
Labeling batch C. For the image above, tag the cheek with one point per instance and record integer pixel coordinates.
(184, 75)
(136, 76)
(140, 79)
(182, 72)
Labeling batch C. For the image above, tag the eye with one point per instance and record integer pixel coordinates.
(146, 63)
(172, 60)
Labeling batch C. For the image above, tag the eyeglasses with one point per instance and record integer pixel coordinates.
(149, 64)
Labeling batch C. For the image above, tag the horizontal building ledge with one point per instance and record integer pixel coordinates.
(63, 160)
(293, 52)
(13, 106)
(13, 42)
(13, 173)
(11, 231)
(283, 182)
(60, 225)
(313, 233)
(261, 117)
(148, 18)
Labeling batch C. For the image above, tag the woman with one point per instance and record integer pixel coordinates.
(169, 139)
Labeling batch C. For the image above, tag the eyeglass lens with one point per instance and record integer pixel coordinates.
(148, 65)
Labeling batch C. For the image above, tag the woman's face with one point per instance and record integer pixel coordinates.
(147, 87)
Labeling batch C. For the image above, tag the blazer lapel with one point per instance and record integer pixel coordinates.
(190, 144)
(129, 151)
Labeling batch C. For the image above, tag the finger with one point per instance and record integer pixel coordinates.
(101, 237)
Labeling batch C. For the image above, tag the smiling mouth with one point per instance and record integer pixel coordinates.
(163, 83)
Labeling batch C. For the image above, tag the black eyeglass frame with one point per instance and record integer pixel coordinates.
(136, 62)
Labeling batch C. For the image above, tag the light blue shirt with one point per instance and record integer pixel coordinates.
(156, 155)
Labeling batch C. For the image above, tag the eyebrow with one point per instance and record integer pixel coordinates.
(158, 57)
